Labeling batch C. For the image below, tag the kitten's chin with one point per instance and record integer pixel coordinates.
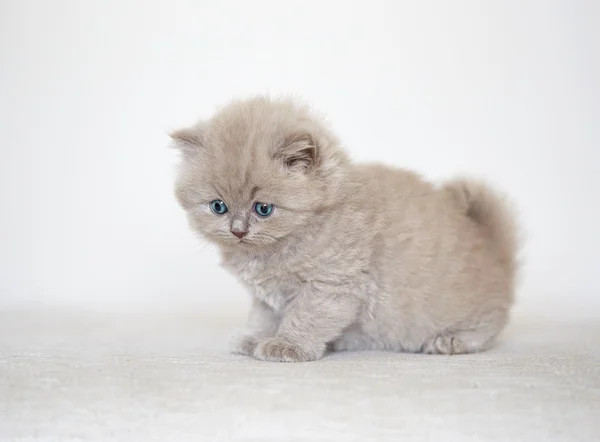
(249, 246)
(237, 244)
(249, 243)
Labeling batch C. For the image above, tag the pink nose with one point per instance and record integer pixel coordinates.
(240, 235)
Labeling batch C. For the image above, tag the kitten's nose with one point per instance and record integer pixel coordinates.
(239, 234)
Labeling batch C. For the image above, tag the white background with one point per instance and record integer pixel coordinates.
(504, 90)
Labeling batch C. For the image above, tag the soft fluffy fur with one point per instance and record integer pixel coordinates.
(353, 257)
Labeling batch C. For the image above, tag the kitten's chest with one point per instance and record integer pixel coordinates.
(267, 281)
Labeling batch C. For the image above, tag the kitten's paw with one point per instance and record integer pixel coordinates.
(280, 350)
(244, 344)
(470, 341)
(445, 345)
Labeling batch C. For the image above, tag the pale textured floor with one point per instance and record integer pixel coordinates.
(168, 377)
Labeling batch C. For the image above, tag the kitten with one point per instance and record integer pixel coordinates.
(341, 255)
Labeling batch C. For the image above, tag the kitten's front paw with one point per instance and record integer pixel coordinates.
(280, 350)
(244, 344)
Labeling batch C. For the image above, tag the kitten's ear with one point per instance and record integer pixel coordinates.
(299, 152)
(188, 140)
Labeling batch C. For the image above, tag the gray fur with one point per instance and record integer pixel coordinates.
(354, 256)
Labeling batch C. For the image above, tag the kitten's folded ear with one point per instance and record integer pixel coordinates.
(188, 140)
(299, 152)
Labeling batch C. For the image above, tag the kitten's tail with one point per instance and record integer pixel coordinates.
(490, 210)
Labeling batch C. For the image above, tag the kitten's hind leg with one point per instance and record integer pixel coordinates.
(473, 336)
(459, 342)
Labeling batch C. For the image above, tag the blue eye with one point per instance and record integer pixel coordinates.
(218, 207)
(263, 209)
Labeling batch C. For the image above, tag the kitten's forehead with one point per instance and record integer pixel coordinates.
(240, 147)
(252, 128)
(239, 172)
(241, 154)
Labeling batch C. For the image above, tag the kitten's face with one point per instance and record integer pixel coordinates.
(235, 202)
(252, 175)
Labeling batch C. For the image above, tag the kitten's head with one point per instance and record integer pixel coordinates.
(257, 172)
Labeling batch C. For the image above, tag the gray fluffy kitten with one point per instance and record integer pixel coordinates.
(341, 255)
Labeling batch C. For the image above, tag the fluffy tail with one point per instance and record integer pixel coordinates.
(491, 211)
